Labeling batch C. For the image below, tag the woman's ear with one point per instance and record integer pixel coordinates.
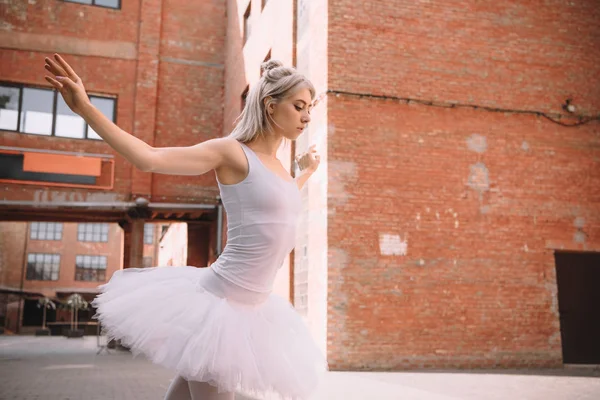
(269, 105)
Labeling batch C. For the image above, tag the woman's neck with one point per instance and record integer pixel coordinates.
(267, 145)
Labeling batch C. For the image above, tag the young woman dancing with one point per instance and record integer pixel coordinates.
(220, 328)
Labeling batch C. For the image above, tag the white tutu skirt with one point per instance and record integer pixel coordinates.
(207, 329)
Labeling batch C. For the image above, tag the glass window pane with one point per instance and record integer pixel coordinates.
(36, 115)
(107, 3)
(42, 235)
(68, 124)
(9, 108)
(106, 107)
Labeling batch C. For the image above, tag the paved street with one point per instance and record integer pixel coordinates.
(57, 368)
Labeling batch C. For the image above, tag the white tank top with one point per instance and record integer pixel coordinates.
(262, 212)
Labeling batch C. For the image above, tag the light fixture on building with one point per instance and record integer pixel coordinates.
(568, 107)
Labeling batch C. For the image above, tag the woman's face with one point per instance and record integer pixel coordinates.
(292, 114)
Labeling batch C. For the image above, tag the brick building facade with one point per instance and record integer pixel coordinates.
(460, 178)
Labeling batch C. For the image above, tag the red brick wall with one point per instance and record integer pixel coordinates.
(13, 236)
(164, 63)
(480, 199)
(501, 54)
(69, 247)
(14, 242)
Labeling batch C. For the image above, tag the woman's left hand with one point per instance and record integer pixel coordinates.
(309, 161)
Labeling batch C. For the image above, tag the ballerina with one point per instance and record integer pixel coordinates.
(220, 328)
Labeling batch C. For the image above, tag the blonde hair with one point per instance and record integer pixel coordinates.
(277, 83)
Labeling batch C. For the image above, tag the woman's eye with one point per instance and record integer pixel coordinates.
(298, 108)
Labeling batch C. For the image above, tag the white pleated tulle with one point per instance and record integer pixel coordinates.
(207, 329)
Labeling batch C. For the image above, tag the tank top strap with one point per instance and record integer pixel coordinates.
(254, 162)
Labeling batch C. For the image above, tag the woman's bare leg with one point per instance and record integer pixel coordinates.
(178, 390)
(204, 391)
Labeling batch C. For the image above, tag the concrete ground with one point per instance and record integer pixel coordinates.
(56, 368)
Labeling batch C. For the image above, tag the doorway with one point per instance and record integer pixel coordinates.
(578, 280)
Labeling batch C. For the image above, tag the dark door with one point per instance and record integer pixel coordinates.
(578, 279)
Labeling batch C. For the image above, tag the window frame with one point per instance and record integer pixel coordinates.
(54, 231)
(96, 5)
(85, 224)
(22, 86)
(149, 231)
(28, 275)
(79, 270)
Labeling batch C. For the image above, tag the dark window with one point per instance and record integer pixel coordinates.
(90, 268)
(247, 23)
(9, 108)
(43, 267)
(148, 233)
(46, 230)
(100, 3)
(92, 232)
(40, 111)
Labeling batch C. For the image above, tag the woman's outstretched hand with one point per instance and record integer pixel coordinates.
(68, 84)
(309, 161)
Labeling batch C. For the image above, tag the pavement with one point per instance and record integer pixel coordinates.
(57, 368)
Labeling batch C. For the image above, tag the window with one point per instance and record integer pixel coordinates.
(46, 231)
(90, 232)
(245, 96)
(90, 268)
(100, 3)
(43, 267)
(247, 23)
(148, 233)
(147, 263)
(40, 111)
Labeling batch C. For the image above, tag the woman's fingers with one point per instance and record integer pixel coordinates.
(70, 73)
(54, 82)
(54, 68)
(66, 81)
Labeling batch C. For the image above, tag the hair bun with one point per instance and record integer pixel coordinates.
(269, 65)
